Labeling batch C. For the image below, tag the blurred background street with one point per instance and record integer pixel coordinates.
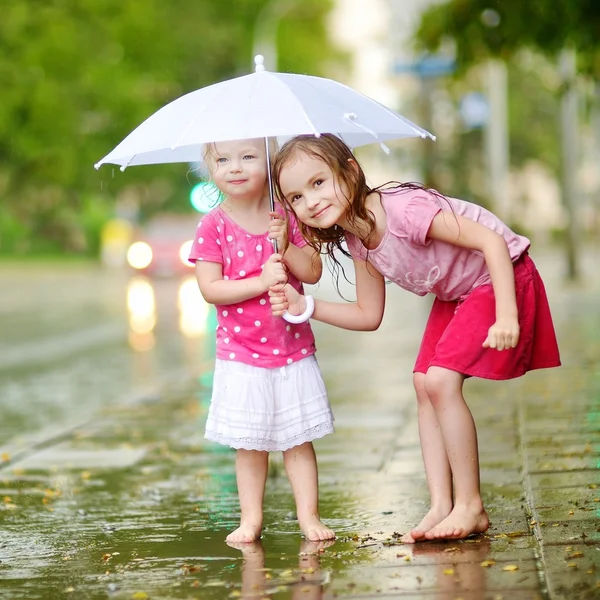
(107, 488)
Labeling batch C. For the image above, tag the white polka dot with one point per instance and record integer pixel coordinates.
(248, 235)
(201, 240)
(223, 222)
(226, 340)
(242, 273)
(304, 351)
(225, 330)
(287, 328)
(218, 241)
(240, 254)
(262, 266)
(200, 223)
(255, 355)
(226, 277)
(275, 351)
(225, 313)
(218, 229)
(237, 328)
(259, 248)
(201, 258)
(240, 310)
(296, 335)
(263, 340)
(262, 301)
(230, 238)
(232, 355)
(228, 261)
(257, 323)
(289, 361)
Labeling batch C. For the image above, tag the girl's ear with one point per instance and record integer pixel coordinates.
(354, 164)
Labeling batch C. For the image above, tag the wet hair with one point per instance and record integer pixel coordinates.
(347, 171)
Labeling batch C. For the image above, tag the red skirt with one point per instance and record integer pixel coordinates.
(455, 331)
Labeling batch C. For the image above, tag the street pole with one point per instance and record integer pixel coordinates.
(497, 139)
(569, 126)
(265, 31)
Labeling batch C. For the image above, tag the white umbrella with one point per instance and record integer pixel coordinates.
(262, 104)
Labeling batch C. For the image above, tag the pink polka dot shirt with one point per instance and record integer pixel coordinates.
(247, 332)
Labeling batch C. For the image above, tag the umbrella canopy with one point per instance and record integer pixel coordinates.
(262, 104)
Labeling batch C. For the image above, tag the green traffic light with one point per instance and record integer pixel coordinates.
(204, 196)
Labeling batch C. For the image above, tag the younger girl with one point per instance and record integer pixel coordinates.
(490, 317)
(268, 393)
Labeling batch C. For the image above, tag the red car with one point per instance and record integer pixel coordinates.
(162, 246)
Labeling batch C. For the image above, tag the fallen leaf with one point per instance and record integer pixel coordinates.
(577, 554)
(448, 571)
(139, 596)
(5, 457)
(572, 566)
(488, 563)
(511, 568)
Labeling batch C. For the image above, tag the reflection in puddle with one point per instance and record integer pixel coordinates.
(193, 309)
(307, 581)
(141, 307)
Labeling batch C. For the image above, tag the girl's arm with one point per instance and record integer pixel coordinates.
(363, 315)
(216, 290)
(304, 263)
(464, 232)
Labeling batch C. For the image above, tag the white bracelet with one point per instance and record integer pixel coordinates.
(305, 316)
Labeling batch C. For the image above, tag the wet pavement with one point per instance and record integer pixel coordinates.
(108, 489)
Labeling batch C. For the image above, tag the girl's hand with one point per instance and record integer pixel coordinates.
(273, 272)
(278, 231)
(503, 334)
(285, 297)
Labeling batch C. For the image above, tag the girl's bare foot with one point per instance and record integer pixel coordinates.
(460, 523)
(314, 530)
(245, 533)
(430, 520)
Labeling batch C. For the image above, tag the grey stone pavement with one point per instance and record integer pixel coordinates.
(134, 503)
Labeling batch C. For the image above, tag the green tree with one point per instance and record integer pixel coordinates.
(500, 28)
(77, 76)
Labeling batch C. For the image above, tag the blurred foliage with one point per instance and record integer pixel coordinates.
(483, 28)
(77, 77)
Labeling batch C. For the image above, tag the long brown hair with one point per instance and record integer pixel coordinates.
(339, 158)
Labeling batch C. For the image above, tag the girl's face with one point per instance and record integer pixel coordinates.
(312, 190)
(239, 168)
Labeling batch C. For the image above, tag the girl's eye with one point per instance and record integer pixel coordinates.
(318, 182)
(221, 159)
(249, 157)
(296, 198)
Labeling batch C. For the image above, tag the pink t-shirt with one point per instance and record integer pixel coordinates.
(247, 332)
(421, 265)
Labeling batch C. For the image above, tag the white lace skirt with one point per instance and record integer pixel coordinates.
(268, 409)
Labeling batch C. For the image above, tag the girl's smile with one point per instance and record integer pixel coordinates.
(310, 187)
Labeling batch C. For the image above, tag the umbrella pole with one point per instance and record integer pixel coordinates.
(270, 180)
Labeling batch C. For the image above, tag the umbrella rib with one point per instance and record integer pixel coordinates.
(316, 132)
(423, 133)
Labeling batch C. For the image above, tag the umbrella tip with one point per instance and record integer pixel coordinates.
(97, 166)
(259, 62)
